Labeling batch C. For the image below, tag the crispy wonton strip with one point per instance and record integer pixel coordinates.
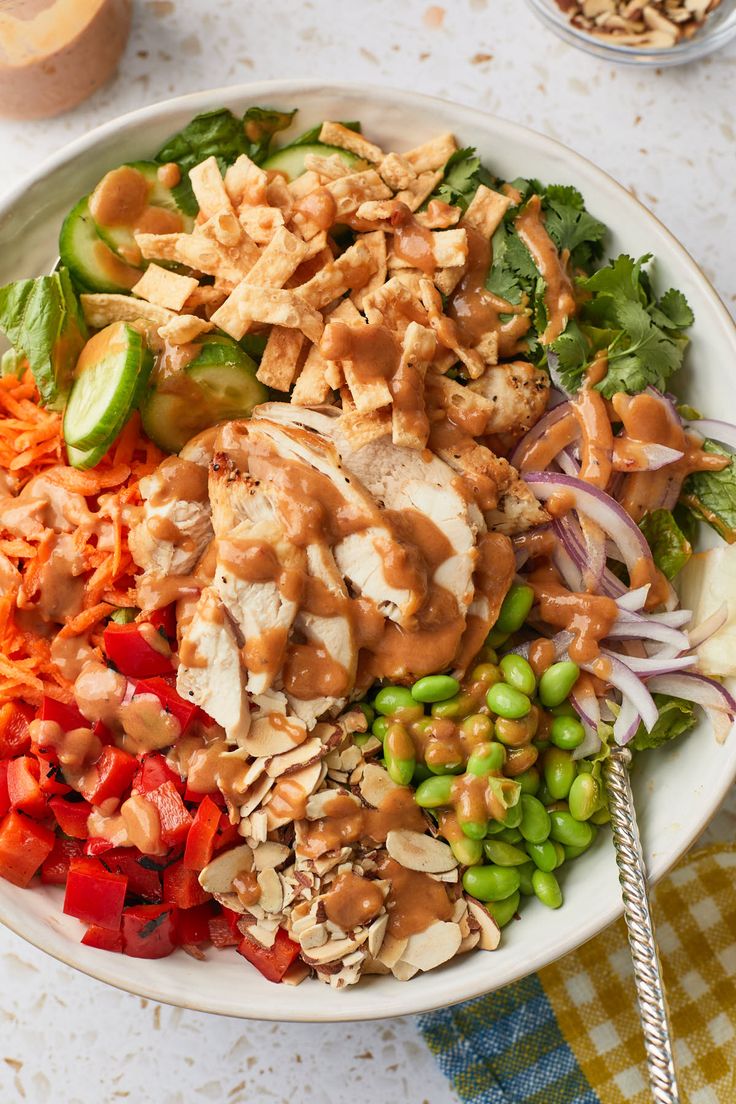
(486, 210)
(164, 288)
(433, 155)
(209, 188)
(335, 134)
(409, 421)
(279, 365)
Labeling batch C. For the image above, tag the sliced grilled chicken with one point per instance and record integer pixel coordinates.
(518, 392)
(210, 673)
(258, 571)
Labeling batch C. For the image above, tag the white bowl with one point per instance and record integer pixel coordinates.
(677, 788)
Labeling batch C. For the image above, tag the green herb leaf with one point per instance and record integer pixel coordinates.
(675, 717)
(670, 547)
(462, 175)
(711, 495)
(571, 227)
(42, 320)
(124, 615)
(220, 134)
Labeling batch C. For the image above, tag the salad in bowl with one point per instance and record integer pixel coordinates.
(344, 489)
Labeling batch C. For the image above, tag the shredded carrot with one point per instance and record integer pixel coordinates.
(31, 444)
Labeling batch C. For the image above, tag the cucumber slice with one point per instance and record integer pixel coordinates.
(91, 262)
(111, 371)
(78, 458)
(290, 159)
(218, 384)
(162, 216)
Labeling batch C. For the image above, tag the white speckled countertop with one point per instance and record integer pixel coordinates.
(669, 136)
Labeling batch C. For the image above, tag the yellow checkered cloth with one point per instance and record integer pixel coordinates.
(592, 990)
(572, 1035)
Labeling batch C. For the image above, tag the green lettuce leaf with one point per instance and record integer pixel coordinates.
(43, 322)
(711, 495)
(670, 547)
(675, 717)
(222, 135)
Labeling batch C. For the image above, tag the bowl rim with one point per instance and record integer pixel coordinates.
(402, 1002)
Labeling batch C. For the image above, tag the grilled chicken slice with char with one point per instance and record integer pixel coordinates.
(518, 392)
(210, 673)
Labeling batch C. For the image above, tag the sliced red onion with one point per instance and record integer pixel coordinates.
(568, 569)
(709, 627)
(538, 431)
(627, 722)
(567, 463)
(719, 705)
(569, 533)
(653, 457)
(653, 665)
(591, 745)
(624, 679)
(587, 705)
(644, 628)
(633, 600)
(723, 432)
(598, 506)
(677, 619)
(561, 642)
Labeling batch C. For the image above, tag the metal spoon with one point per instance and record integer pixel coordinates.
(647, 971)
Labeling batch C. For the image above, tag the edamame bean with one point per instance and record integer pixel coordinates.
(601, 816)
(525, 879)
(510, 835)
(559, 852)
(543, 855)
(543, 794)
(567, 733)
(467, 852)
(504, 854)
(451, 708)
(473, 829)
(421, 774)
(517, 672)
(495, 639)
(435, 688)
(547, 888)
(380, 727)
(398, 753)
(491, 883)
(508, 702)
(559, 772)
(503, 912)
(574, 852)
(486, 672)
(487, 759)
(567, 709)
(515, 733)
(566, 830)
(514, 609)
(557, 682)
(361, 738)
(519, 760)
(478, 728)
(584, 797)
(535, 823)
(529, 781)
(435, 792)
(368, 712)
(392, 698)
(495, 828)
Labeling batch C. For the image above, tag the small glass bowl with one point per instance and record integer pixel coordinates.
(718, 29)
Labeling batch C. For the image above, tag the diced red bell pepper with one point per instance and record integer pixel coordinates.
(184, 711)
(224, 930)
(103, 733)
(182, 888)
(24, 844)
(51, 778)
(200, 843)
(106, 939)
(165, 619)
(149, 931)
(176, 820)
(93, 894)
(144, 878)
(15, 738)
(4, 795)
(71, 816)
(272, 962)
(111, 777)
(23, 789)
(55, 867)
(97, 845)
(66, 716)
(153, 772)
(227, 834)
(127, 648)
(193, 924)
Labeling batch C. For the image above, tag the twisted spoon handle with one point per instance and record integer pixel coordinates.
(647, 973)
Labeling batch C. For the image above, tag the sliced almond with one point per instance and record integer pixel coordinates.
(435, 945)
(416, 851)
(269, 855)
(377, 934)
(319, 803)
(469, 942)
(375, 785)
(218, 876)
(490, 933)
(333, 950)
(273, 734)
(296, 973)
(255, 795)
(290, 761)
(404, 971)
(272, 892)
(391, 950)
(313, 937)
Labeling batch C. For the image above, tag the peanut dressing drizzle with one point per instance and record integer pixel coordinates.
(559, 297)
(589, 617)
(415, 900)
(352, 901)
(476, 311)
(122, 199)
